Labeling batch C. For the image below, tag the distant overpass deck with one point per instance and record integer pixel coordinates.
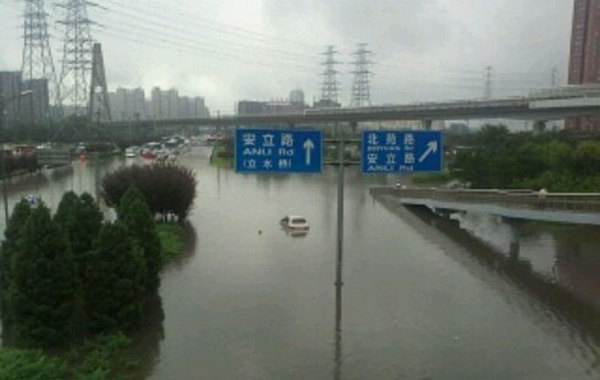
(576, 208)
(534, 108)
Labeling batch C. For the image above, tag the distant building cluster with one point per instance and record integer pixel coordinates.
(22, 101)
(132, 105)
(293, 104)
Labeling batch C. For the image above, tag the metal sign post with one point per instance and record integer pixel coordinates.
(340, 214)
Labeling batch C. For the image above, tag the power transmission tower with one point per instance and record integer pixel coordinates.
(488, 82)
(99, 109)
(554, 77)
(361, 91)
(329, 90)
(77, 56)
(37, 66)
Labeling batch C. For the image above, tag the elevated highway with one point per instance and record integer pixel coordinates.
(549, 105)
(576, 208)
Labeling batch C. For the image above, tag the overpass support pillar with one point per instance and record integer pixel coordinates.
(515, 245)
(426, 124)
(539, 127)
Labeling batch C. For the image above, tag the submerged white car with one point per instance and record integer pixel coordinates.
(295, 223)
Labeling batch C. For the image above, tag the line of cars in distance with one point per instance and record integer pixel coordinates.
(166, 150)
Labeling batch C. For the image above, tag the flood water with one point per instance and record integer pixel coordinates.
(423, 297)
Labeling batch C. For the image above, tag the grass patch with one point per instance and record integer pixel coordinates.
(220, 162)
(431, 179)
(171, 240)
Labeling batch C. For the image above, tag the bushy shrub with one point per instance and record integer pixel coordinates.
(114, 282)
(136, 217)
(167, 188)
(42, 292)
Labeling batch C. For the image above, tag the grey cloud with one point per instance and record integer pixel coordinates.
(423, 49)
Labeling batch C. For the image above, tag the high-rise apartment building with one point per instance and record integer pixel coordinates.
(169, 105)
(10, 88)
(584, 60)
(35, 107)
(128, 104)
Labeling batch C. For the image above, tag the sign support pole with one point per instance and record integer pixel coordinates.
(340, 214)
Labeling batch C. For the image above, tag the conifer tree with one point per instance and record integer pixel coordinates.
(11, 236)
(7, 252)
(114, 281)
(80, 219)
(42, 293)
(137, 218)
(66, 209)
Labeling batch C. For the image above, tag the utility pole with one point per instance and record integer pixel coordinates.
(361, 91)
(3, 161)
(330, 87)
(488, 82)
(37, 63)
(77, 56)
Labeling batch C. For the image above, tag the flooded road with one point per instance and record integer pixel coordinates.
(423, 299)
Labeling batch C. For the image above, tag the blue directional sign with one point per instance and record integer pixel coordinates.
(401, 151)
(278, 151)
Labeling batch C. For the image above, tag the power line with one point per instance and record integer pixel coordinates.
(230, 30)
(187, 33)
(174, 43)
(164, 32)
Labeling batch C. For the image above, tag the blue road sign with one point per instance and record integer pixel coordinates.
(278, 151)
(401, 151)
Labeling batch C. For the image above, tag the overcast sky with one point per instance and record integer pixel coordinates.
(230, 50)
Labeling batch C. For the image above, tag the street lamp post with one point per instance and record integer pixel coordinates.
(3, 103)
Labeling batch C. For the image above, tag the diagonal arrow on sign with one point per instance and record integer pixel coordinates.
(308, 147)
(432, 147)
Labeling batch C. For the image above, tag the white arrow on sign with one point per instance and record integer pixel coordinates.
(432, 147)
(308, 147)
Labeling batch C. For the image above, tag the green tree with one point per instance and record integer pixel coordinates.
(586, 158)
(114, 281)
(30, 365)
(80, 219)
(66, 209)
(7, 252)
(42, 293)
(133, 212)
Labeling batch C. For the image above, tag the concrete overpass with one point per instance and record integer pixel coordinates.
(574, 208)
(541, 106)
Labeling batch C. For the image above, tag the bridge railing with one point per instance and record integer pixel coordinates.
(580, 202)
